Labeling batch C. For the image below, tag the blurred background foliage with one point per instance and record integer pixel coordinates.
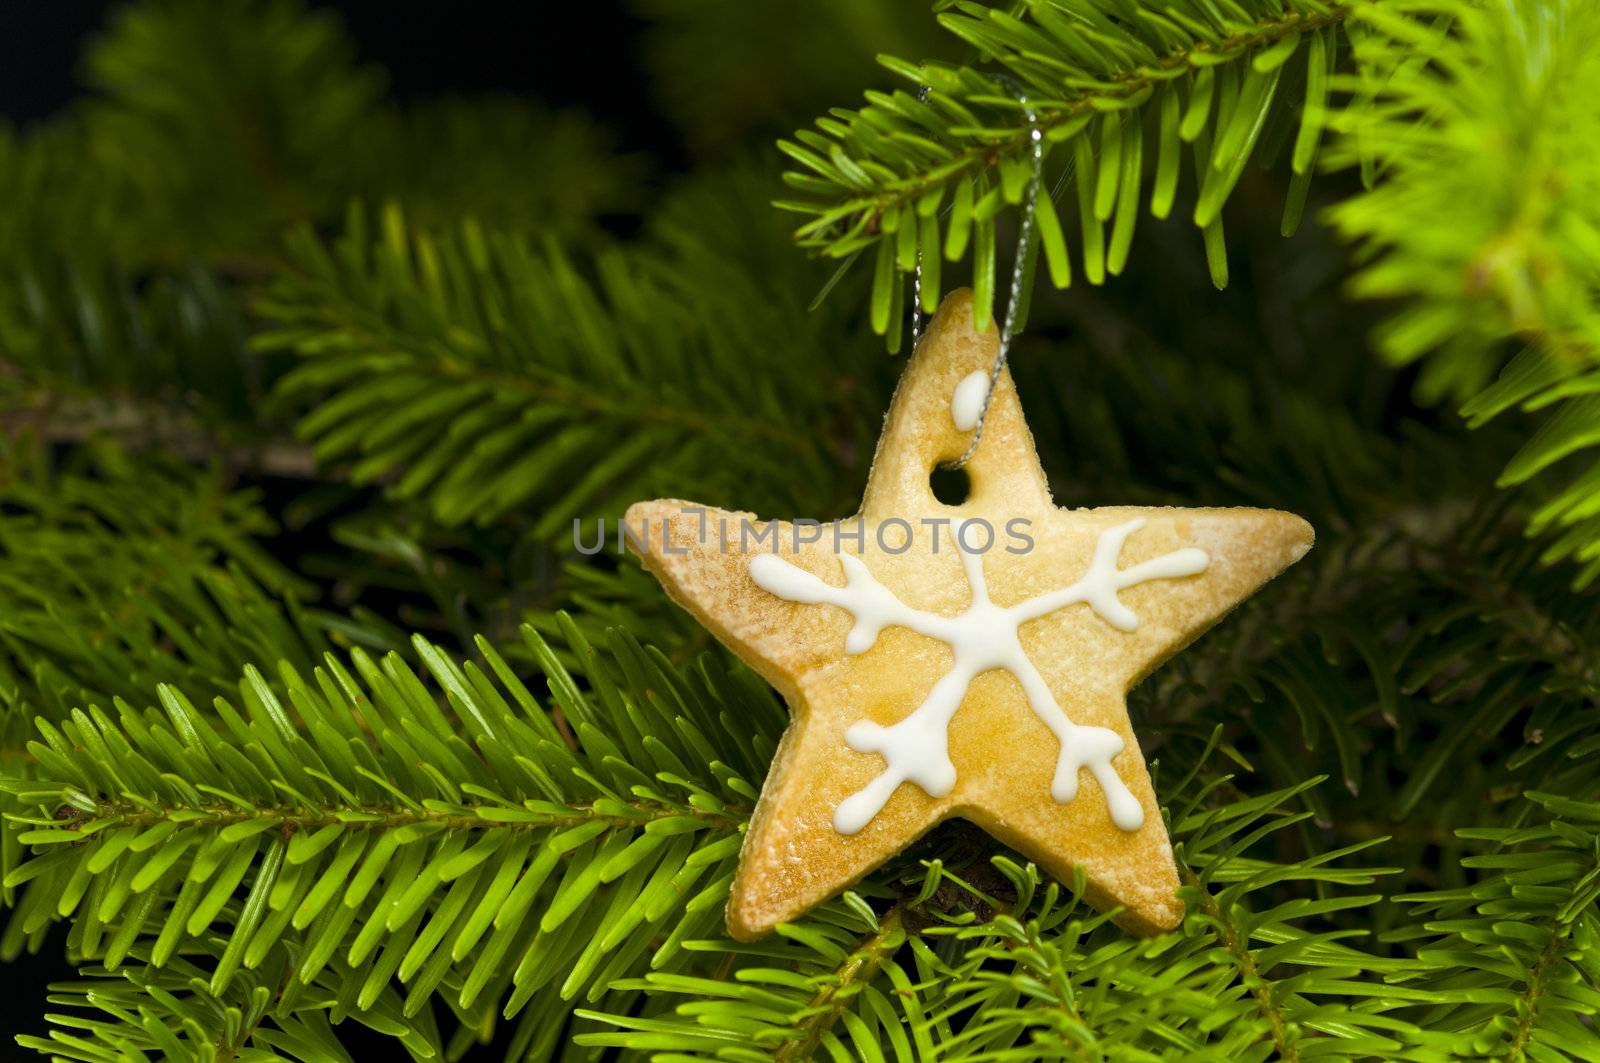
(299, 355)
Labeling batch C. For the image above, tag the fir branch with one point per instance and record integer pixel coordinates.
(919, 178)
(55, 418)
(1522, 988)
(1450, 116)
(1261, 988)
(1113, 90)
(831, 1000)
(169, 1010)
(449, 839)
(170, 345)
(122, 572)
(473, 372)
(1036, 976)
(1538, 986)
(103, 815)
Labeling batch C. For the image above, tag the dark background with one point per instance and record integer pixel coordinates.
(428, 49)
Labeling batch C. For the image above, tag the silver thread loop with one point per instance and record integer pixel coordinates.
(1018, 267)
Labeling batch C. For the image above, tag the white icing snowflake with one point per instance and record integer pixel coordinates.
(984, 637)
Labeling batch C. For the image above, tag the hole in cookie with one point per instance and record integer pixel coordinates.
(950, 486)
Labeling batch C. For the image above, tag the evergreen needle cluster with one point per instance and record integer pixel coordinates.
(319, 740)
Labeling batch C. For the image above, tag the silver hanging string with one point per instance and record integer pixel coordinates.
(916, 301)
(916, 277)
(1018, 267)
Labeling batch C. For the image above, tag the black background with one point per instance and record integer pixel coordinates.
(427, 48)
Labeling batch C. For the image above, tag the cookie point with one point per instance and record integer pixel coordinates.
(956, 300)
(1154, 913)
(1283, 536)
(1301, 536)
(638, 515)
(1164, 918)
(738, 928)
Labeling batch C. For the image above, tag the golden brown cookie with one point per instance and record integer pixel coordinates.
(965, 660)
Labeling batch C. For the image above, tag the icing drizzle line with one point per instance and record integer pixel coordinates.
(984, 637)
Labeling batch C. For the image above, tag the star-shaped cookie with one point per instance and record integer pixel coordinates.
(959, 660)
